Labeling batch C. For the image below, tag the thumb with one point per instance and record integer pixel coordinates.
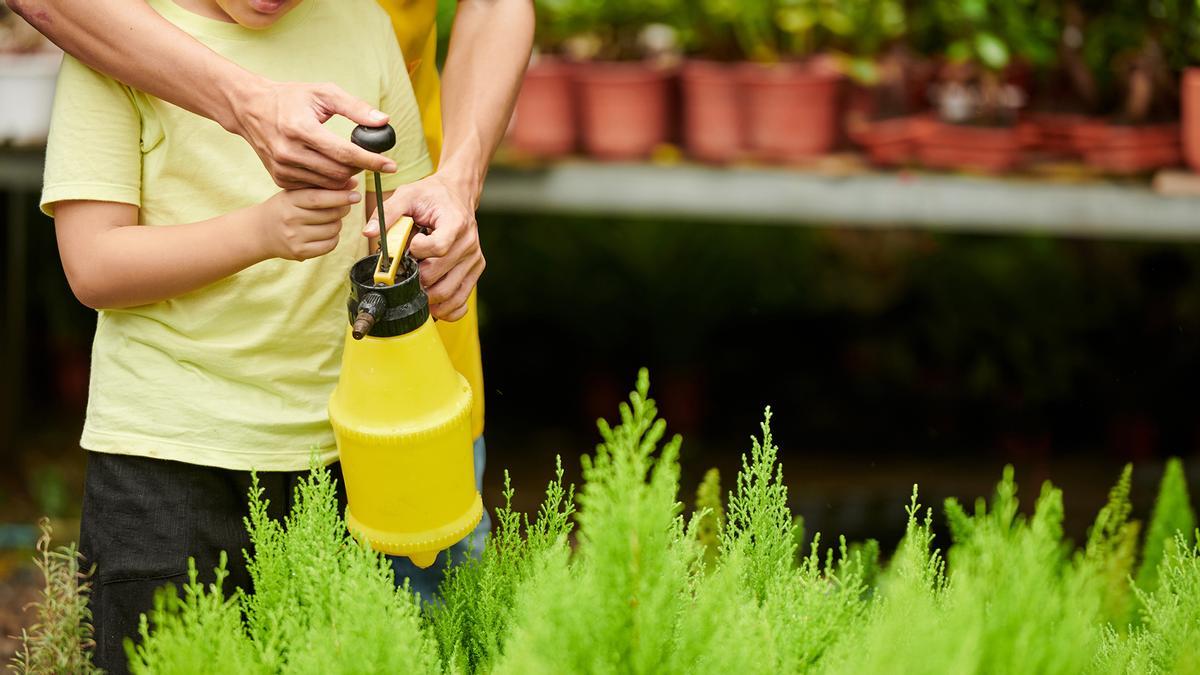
(338, 102)
(395, 208)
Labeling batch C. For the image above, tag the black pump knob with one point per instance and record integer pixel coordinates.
(374, 139)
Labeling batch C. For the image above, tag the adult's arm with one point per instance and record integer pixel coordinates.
(489, 49)
(129, 41)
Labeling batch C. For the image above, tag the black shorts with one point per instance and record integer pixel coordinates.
(143, 518)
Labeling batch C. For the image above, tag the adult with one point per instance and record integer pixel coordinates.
(464, 117)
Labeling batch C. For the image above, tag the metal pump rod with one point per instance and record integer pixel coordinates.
(384, 259)
(378, 140)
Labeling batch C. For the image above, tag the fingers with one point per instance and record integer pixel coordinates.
(455, 306)
(310, 241)
(314, 199)
(315, 234)
(395, 208)
(338, 102)
(442, 288)
(315, 249)
(332, 173)
(436, 244)
(322, 216)
(295, 178)
(344, 153)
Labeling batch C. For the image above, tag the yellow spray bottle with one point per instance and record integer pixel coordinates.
(401, 413)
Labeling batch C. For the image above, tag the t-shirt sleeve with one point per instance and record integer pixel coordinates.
(398, 101)
(94, 148)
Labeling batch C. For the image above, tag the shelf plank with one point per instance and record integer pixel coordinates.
(872, 200)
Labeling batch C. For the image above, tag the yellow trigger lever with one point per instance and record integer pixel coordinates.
(398, 238)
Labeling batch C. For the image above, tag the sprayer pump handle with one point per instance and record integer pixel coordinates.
(374, 139)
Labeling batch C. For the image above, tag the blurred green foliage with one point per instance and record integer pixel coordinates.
(993, 33)
(775, 30)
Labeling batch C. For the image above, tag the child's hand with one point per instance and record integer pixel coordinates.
(305, 223)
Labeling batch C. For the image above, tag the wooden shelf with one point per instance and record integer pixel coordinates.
(1124, 210)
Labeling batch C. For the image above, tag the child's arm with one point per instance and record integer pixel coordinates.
(112, 262)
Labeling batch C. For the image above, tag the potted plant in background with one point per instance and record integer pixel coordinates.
(1189, 93)
(889, 77)
(1134, 49)
(28, 68)
(1065, 92)
(713, 125)
(627, 55)
(544, 120)
(790, 91)
(979, 92)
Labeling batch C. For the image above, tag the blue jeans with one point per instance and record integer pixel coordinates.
(425, 582)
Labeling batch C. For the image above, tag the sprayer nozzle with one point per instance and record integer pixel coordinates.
(369, 310)
(363, 323)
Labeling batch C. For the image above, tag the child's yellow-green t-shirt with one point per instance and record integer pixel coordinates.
(237, 374)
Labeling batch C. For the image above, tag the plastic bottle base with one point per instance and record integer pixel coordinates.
(421, 548)
(424, 559)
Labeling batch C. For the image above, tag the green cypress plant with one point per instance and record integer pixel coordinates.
(472, 616)
(614, 605)
(639, 595)
(1172, 515)
(201, 632)
(323, 603)
(806, 606)
(711, 514)
(1112, 548)
(759, 523)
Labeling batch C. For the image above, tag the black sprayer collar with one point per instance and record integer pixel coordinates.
(386, 311)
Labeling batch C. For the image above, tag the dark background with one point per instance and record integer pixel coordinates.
(889, 358)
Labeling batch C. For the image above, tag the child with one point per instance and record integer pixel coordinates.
(220, 297)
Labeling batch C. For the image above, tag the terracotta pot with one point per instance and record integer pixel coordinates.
(1056, 132)
(954, 146)
(1189, 96)
(791, 110)
(890, 142)
(623, 108)
(1127, 149)
(544, 118)
(712, 116)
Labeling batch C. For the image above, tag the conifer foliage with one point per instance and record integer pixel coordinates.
(617, 578)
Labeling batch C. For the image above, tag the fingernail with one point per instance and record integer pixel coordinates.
(355, 198)
(389, 167)
(377, 115)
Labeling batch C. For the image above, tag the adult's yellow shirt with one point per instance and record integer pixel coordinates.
(414, 22)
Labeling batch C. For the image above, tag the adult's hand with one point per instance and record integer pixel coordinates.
(451, 260)
(283, 122)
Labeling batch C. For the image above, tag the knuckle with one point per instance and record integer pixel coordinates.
(288, 155)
